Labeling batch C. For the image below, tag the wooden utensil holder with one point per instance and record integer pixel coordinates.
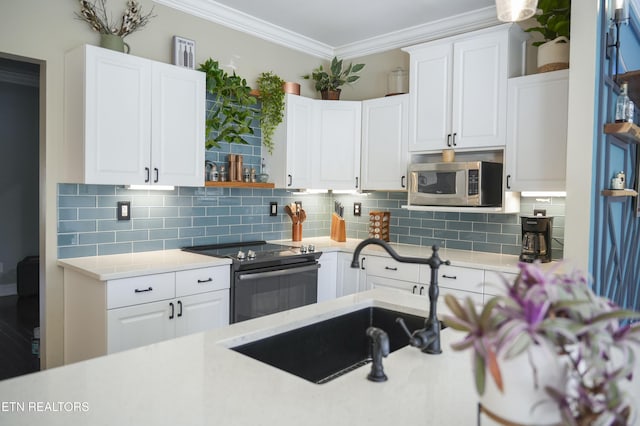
(338, 229)
(296, 231)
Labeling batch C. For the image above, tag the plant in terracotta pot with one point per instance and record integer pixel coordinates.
(554, 24)
(272, 111)
(558, 314)
(230, 114)
(329, 82)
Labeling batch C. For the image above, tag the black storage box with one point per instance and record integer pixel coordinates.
(28, 276)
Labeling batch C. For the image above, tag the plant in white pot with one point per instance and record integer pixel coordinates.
(546, 321)
(554, 24)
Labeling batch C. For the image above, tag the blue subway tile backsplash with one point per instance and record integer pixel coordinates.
(87, 224)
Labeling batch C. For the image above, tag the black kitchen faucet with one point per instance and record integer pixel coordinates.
(426, 339)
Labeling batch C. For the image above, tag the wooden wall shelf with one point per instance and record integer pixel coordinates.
(619, 193)
(266, 185)
(626, 132)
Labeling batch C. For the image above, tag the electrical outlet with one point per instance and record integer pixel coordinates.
(357, 209)
(273, 208)
(124, 210)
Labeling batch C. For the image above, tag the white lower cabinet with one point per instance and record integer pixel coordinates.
(327, 276)
(350, 280)
(103, 317)
(461, 282)
(494, 283)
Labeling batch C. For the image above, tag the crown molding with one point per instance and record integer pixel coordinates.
(240, 21)
(232, 18)
(470, 21)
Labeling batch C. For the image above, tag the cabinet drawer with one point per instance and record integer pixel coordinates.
(196, 281)
(494, 282)
(456, 277)
(462, 295)
(136, 290)
(389, 268)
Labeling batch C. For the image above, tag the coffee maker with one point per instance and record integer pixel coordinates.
(536, 238)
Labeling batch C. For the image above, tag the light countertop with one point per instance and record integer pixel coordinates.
(116, 266)
(197, 380)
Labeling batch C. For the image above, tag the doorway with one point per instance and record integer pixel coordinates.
(19, 216)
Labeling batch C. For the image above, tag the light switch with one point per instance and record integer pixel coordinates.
(273, 208)
(124, 210)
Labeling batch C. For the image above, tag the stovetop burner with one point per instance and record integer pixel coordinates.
(255, 252)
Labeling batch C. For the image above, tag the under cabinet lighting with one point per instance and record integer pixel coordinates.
(309, 191)
(151, 187)
(543, 194)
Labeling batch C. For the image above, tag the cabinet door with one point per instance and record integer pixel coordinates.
(430, 97)
(117, 111)
(337, 159)
(202, 312)
(327, 276)
(139, 325)
(289, 165)
(177, 150)
(480, 92)
(537, 128)
(348, 278)
(385, 143)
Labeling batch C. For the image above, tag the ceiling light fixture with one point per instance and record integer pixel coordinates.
(515, 10)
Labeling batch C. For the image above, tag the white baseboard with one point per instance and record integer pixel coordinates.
(8, 289)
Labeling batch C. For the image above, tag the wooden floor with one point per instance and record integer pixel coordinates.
(18, 318)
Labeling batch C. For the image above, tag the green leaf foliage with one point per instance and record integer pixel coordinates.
(336, 77)
(231, 114)
(554, 20)
(272, 112)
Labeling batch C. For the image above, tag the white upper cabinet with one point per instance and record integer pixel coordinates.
(129, 120)
(458, 89)
(385, 141)
(317, 146)
(289, 166)
(337, 148)
(536, 157)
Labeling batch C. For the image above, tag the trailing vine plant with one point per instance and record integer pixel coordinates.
(272, 97)
(231, 114)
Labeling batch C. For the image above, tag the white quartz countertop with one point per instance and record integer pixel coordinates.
(197, 380)
(116, 266)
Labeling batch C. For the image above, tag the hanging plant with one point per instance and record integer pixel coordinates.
(272, 97)
(230, 116)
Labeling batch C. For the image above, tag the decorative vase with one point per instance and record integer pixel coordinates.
(553, 55)
(330, 95)
(524, 401)
(113, 42)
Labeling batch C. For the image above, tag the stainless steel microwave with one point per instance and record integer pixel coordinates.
(471, 183)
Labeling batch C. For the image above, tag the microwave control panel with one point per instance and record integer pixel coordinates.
(473, 182)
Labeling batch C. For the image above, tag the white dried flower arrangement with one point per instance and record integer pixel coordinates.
(96, 16)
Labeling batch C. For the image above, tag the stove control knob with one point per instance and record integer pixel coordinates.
(240, 255)
(311, 248)
(303, 249)
(251, 254)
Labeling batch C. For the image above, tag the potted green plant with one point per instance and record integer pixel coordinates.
(554, 24)
(272, 111)
(557, 314)
(329, 83)
(231, 114)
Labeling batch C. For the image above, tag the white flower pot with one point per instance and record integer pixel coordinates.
(522, 402)
(553, 55)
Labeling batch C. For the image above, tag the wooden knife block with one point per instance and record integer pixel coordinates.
(338, 230)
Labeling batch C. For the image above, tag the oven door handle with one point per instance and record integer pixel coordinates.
(279, 273)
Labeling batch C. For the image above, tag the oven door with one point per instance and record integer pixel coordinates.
(265, 291)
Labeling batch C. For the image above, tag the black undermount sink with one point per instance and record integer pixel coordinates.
(327, 349)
